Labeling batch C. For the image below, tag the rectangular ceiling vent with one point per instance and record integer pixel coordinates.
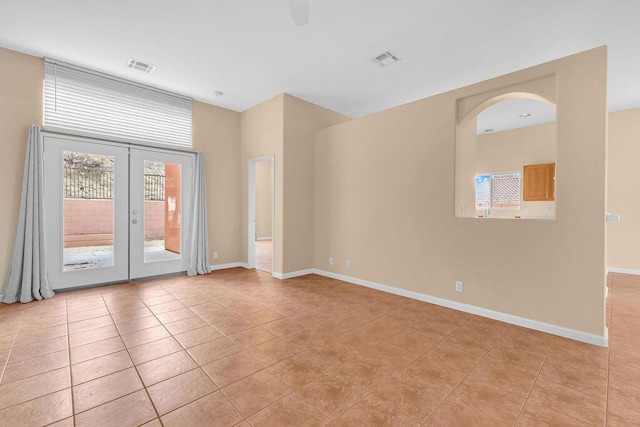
(386, 58)
(141, 66)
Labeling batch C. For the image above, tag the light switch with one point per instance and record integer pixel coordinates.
(613, 217)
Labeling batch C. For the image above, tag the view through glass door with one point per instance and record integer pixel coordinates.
(160, 185)
(113, 213)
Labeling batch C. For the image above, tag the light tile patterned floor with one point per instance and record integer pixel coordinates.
(264, 255)
(238, 347)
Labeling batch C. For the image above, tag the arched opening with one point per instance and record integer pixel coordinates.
(506, 151)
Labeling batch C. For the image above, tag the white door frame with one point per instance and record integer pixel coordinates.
(122, 212)
(138, 267)
(251, 216)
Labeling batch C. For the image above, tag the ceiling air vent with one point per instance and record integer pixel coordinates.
(141, 66)
(386, 58)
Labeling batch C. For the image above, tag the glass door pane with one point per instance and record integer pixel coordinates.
(162, 208)
(88, 210)
(160, 192)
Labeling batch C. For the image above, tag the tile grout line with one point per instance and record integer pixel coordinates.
(188, 354)
(444, 337)
(39, 355)
(333, 419)
(15, 336)
(244, 418)
(69, 366)
(233, 404)
(133, 363)
(197, 363)
(31, 376)
(609, 295)
(535, 381)
(475, 366)
(73, 404)
(467, 374)
(264, 368)
(134, 366)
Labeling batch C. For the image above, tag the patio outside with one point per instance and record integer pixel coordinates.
(89, 212)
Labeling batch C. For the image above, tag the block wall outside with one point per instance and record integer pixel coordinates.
(89, 222)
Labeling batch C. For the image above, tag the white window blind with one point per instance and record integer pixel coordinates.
(85, 102)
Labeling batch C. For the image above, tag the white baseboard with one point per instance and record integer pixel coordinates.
(293, 274)
(229, 265)
(264, 238)
(623, 271)
(602, 341)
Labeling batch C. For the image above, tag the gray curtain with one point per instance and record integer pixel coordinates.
(27, 279)
(198, 262)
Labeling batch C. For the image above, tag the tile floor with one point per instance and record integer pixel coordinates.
(240, 348)
(264, 255)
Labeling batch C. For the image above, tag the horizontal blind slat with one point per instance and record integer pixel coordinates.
(92, 103)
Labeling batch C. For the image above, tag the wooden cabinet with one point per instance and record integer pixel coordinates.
(539, 182)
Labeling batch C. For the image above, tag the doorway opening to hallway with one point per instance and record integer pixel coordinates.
(261, 209)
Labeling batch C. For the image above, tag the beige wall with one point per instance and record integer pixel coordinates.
(623, 194)
(216, 132)
(285, 125)
(301, 120)
(384, 199)
(262, 133)
(264, 194)
(509, 151)
(21, 80)
(538, 142)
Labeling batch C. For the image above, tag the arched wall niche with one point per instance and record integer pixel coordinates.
(521, 147)
(543, 87)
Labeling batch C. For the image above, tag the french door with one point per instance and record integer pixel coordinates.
(114, 213)
(158, 230)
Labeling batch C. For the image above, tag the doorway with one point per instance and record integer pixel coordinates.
(261, 213)
(114, 212)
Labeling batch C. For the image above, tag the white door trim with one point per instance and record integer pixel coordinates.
(123, 235)
(138, 266)
(251, 212)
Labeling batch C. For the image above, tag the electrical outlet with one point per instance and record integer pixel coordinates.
(215, 255)
(459, 286)
(331, 261)
(348, 264)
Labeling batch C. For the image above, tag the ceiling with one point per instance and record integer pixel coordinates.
(513, 114)
(252, 51)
